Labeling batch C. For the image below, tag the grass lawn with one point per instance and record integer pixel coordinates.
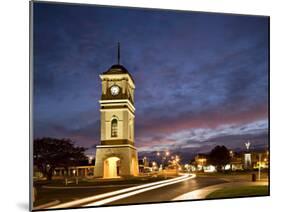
(241, 191)
(236, 176)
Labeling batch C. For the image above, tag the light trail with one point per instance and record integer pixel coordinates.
(148, 186)
(122, 196)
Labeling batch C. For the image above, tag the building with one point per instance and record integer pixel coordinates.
(200, 161)
(260, 159)
(247, 160)
(236, 161)
(117, 156)
(82, 169)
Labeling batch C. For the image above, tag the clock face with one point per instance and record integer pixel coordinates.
(114, 90)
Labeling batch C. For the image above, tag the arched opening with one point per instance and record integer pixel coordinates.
(114, 128)
(111, 167)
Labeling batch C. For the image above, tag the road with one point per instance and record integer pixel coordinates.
(160, 191)
(167, 193)
(182, 187)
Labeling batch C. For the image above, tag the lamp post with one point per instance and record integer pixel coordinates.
(177, 160)
(164, 156)
(75, 173)
(259, 166)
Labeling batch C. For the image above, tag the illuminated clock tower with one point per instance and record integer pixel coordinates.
(116, 156)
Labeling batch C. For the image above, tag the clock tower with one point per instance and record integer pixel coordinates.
(116, 156)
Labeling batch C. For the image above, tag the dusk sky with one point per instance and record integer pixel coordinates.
(201, 78)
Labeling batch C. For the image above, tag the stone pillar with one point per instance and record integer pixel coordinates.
(104, 87)
(124, 84)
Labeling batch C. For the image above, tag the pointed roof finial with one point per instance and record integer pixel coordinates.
(118, 53)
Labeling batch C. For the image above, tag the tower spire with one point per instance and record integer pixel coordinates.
(118, 53)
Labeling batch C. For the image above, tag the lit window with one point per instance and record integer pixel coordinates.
(114, 128)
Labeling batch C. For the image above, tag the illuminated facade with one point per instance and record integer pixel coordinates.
(239, 161)
(116, 156)
(201, 161)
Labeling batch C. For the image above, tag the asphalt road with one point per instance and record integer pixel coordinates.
(169, 192)
(66, 195)
(150, 194)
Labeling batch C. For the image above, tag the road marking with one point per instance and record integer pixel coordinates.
(109, 194)
(122, 196)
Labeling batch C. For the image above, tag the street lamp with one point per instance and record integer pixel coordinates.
(260, 166)
(144, 161)
(154, 165)
(164, 156)
(177, 158)
(90, 159)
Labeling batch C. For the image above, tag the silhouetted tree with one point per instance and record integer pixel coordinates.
(219, 157)
(50, 153)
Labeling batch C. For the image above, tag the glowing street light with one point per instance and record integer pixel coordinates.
(90, 159)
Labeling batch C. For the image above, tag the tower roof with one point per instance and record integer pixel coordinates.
(118, 69)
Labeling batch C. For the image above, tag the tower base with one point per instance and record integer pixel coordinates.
(113, 161)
